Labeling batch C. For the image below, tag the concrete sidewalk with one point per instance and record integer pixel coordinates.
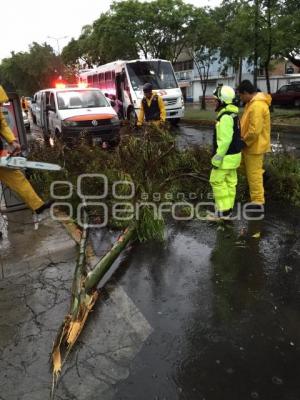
(37, 270)
(24, 249)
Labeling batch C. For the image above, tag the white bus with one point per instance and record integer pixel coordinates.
(123, 82)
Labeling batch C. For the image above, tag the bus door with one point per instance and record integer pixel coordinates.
(126, 96)
(119, 93)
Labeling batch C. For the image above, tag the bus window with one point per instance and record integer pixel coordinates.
(108, 76)
(95, 79)
(101, 77)
(90, 79)
(159, 73)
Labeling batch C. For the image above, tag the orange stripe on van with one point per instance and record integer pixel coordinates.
(90, 117)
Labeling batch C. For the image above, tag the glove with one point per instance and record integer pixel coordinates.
(216, 161)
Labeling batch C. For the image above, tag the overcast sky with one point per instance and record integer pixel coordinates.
(24, 22)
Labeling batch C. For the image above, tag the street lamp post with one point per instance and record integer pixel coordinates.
(57, 39)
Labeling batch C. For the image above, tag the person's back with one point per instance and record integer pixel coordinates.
(256, 133)
(226, 158)
(256, 124)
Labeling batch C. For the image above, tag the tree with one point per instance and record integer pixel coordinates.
(205, 37)
(130, 29)
(169, 29)
(269, 33)
(235, 46)
(27, 72)
(289, 31)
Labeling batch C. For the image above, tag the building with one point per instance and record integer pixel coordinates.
(281, 73)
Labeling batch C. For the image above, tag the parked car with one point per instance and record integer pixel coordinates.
(287, 95)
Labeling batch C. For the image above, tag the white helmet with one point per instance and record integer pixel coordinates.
(225, 94)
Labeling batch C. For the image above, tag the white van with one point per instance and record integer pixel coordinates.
(69, 112)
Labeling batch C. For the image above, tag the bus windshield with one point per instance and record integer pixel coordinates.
(81, 99)
(159, 73)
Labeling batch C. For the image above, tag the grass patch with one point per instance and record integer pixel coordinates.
(285, 116)
(193, 112)
(283, 178)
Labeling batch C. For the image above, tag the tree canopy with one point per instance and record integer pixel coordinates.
(27, 72)
(257, 31)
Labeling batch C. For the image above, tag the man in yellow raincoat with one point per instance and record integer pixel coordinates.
(152, 107)
(227, 145)
(15, 179)
(255, 131)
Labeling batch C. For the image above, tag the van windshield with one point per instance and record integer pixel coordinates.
(72, 99)
(159, 73)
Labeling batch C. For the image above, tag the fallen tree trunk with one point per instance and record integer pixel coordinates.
(84, 296)
(100, 269)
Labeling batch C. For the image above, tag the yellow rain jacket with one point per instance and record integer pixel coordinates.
(224, 136)
(160, 105)
(5, 130)
(256, 124)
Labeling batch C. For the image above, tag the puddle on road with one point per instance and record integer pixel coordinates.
(187, 135)
(224, 308)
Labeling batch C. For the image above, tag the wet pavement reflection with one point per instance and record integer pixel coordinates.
(188, 134)
(224, 305)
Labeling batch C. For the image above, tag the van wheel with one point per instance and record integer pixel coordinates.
(132, 118)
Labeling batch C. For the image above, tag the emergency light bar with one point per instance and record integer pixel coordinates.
(80, 85)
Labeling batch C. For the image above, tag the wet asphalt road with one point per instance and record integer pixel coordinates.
(224, 308)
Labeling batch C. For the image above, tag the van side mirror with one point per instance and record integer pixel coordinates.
(112, 103)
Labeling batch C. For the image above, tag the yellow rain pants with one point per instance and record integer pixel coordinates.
(252, 164)
(223, 182)
(17, 182)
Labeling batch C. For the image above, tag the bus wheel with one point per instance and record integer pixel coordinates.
(132, 118)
